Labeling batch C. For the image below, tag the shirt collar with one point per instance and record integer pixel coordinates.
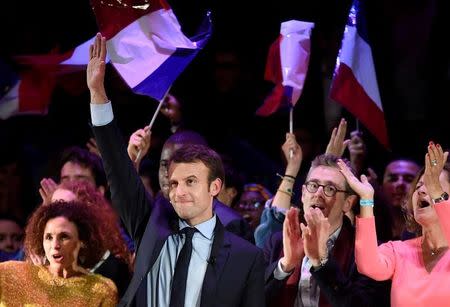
(334, 236)
(206, 228)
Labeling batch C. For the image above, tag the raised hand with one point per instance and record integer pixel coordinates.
(337, 143)
(48, 186)
(295, 160)
(95, 72)
(434, 163)
(292, 241)
(357, 150)
(363, 188)
(92, 147)
(139, 142)
(315, 235)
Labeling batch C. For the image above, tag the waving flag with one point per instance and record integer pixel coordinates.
(355, 83)
(146, 45)
(27, 92)
(287, 65)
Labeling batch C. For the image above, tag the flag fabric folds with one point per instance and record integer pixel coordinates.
(26, 92)
(355, 83)
(287, 65)
(146, 45)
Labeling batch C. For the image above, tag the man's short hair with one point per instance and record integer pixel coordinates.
(191, 153)
(331, 161)
(87, 159)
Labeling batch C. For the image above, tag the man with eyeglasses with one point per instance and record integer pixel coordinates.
(312, 263)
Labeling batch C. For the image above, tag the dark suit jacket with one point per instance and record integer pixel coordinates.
(339, 281)
(235, 273)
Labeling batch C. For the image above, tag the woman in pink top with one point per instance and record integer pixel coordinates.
(420, 267)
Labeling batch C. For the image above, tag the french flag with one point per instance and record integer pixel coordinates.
(355, 83)
(146, 45)
(25, 92)
(287, 65)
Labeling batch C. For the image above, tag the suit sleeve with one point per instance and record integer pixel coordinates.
(253, 296)
(272, 286)
(127, 191)
(353, 289)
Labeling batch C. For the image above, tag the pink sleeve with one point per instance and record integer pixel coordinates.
(377, 262)
(443, 212)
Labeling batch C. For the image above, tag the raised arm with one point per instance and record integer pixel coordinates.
(127, 191)
(138, 145)
(435, 160)
(371, 260)
(282, 199)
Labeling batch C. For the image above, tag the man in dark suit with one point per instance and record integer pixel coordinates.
(224, 270)
(140, 142)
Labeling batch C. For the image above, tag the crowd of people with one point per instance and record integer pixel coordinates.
(116, 228)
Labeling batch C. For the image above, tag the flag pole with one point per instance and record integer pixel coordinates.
(153, 119)
(291, 126)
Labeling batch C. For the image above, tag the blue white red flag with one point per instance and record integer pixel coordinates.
(287, 65)
(146, 45)
(25, 92)
(355, 83)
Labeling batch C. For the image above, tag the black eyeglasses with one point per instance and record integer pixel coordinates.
(328, 189)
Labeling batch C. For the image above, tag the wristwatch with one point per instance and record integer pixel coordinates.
(441, 198)
(322, 262)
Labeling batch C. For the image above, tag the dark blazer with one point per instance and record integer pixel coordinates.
(235, 273)
(339, 281)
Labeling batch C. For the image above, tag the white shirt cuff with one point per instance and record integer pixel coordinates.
(278, 273)
(101, 114)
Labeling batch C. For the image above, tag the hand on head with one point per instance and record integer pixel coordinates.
(362, 187)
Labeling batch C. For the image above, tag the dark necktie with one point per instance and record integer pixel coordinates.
(181, 270)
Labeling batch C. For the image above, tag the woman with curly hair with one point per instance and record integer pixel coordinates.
(67, 234)
(116, 261)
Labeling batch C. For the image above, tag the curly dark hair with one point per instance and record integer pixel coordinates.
(411, 224)
(82, 215)
(110, 222)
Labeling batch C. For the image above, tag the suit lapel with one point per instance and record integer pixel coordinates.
(163, 222)
(220, 252)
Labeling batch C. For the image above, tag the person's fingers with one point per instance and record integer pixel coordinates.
(372, 174)
(43, 194)
(346, 143)
(364, 179)
(91, 51)
(102, 51)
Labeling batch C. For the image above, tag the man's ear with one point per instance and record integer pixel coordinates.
(215, 187)
(350, 201)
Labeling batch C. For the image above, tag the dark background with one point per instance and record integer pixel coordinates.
(410, 47)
